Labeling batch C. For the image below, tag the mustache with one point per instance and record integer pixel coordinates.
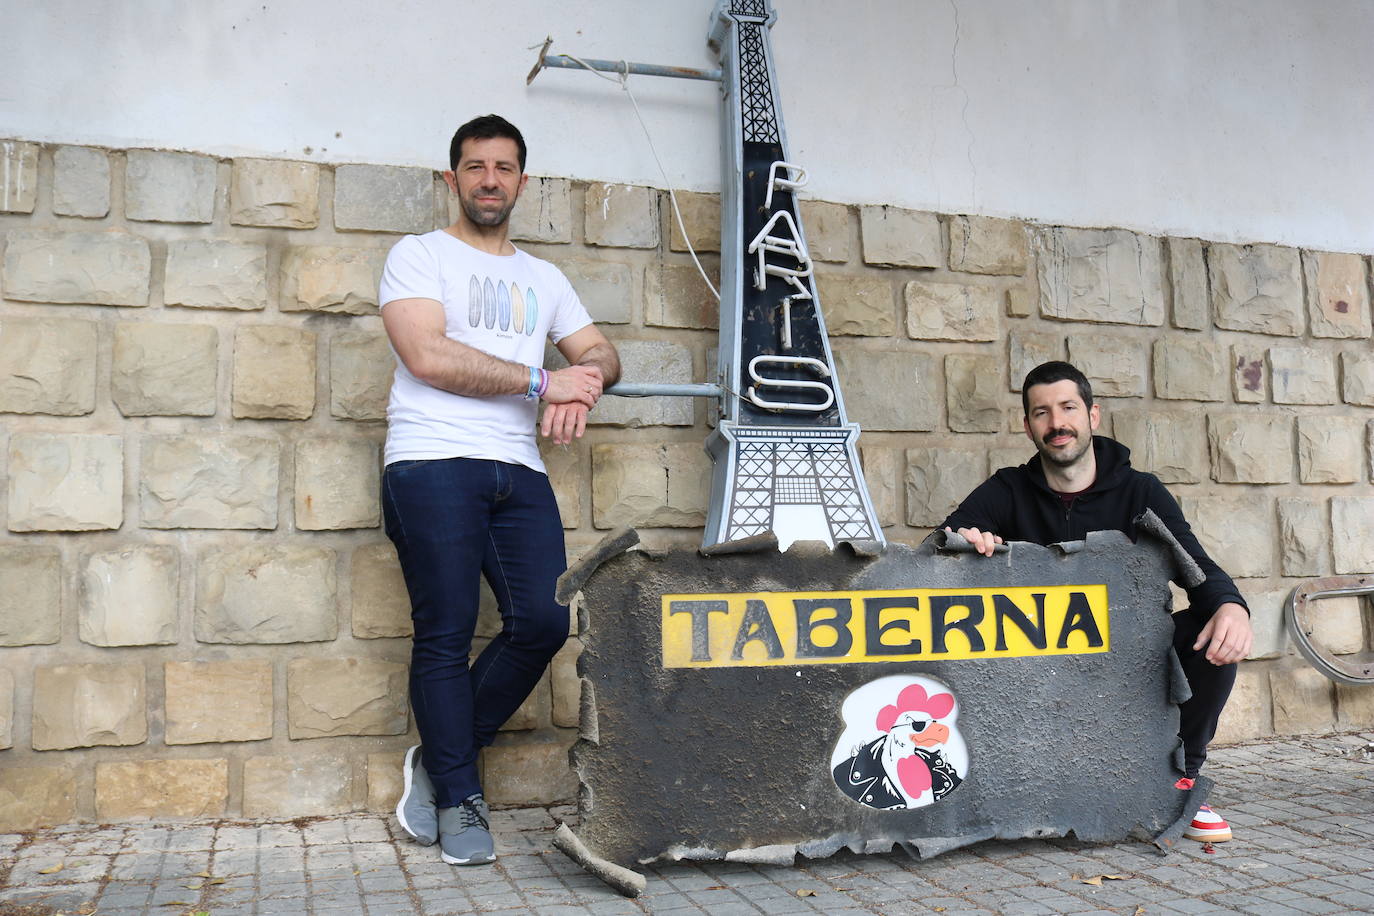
(1061, 432)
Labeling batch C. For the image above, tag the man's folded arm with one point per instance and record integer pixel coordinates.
(416, 330)
(589, 347)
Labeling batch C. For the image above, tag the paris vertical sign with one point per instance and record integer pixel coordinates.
(783, 450)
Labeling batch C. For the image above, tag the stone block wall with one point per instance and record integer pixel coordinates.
(200, 614)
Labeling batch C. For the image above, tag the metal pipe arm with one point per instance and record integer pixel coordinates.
(620, 66)
(646, 390)
(567, 62)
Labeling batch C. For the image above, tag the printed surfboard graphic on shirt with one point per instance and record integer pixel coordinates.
(474, 301)
(517, 310)
(531, 311)
(489, 304)
(498, 304)
(503, 306)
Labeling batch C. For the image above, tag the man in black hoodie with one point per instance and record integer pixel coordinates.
(1079, 483)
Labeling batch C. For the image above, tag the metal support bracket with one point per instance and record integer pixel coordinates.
(568, 62)
(1301, 618)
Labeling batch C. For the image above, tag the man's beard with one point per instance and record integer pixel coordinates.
(1063, 458)
(480, 217)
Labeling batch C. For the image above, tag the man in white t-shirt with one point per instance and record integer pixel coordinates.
(464, 493)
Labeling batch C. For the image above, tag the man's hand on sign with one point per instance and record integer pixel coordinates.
(1228, 633)
(983, 541)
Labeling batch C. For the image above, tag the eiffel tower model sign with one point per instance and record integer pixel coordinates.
(783, 452)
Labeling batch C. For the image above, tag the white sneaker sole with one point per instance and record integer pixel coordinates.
(454, 860)
(408, 768)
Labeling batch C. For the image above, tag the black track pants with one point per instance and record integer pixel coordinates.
(1211, 688)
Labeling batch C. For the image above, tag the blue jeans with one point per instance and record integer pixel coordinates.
(454, 520)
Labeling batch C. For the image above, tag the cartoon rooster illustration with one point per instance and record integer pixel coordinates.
(905, 766)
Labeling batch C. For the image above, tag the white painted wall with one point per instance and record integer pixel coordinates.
(1226, 119)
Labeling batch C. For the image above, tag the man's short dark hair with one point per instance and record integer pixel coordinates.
(486, 127)
(1051, 372)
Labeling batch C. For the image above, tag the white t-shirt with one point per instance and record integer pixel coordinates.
(502, 305)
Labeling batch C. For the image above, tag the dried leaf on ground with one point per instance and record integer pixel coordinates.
(1096, 880)
(51, 869)
(806, 892)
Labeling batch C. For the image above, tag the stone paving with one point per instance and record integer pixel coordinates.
(1302, 809)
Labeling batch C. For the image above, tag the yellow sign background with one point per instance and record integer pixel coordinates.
(750, 629)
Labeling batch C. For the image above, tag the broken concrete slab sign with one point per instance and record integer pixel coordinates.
(752, 706)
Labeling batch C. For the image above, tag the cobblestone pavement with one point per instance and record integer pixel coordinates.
(1302, 810)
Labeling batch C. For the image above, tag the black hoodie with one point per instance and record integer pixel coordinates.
(1017, 504)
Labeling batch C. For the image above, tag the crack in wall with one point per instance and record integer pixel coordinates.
(955, 85)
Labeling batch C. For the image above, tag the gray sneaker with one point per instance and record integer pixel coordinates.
(463, 835)
(416, 810)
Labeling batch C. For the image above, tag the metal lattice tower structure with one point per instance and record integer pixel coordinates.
(784, 452)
